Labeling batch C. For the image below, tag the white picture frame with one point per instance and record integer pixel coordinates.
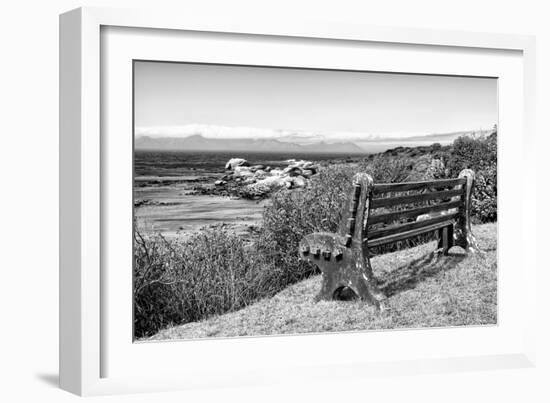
(96, 354)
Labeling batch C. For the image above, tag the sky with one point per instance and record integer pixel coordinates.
(301, 105)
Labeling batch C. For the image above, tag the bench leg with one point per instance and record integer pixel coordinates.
(365, 285)
(443, 244)
(341, 267)
(463, 235)
(445, 239)
(329, 284)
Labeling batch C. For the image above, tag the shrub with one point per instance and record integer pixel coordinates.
(183, 281)
(484, 197)
(294, 214)
(474, 153)
(479, 154)
(388, 169)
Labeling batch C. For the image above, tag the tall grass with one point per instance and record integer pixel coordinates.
(183, 281)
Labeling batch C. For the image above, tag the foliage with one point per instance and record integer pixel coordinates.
(479, 154)
(484, 198)
(474, 153)
(294, 214)
(182, 281)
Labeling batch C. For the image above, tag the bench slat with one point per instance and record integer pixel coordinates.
(395, 229)
(407, 234)
(390, 217)
(404, 186)
(421, 197)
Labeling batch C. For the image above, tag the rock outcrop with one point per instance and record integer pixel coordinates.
(242, 179)
(236, 162)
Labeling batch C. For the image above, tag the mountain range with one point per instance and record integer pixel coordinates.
(198, 142)
(292, 144)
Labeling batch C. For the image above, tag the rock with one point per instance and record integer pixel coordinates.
(288, 182)
(298, 182)
(313, 168)
(300, 164)
(243, 171)
(258, 181)
(260, 174)
(292, 171)
(236, 162)
(257, 167)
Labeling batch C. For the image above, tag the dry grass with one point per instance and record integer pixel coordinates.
(423, 289)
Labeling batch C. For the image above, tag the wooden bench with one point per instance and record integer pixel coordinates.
(385, 213)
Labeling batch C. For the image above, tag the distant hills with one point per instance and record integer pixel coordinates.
(289, 144)
(444, 137)
(198, 142)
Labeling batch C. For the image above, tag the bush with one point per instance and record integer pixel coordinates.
(387, 169)
(294, 214)
(479, 154)
(182, 281)
(473, 153)
(484, 197)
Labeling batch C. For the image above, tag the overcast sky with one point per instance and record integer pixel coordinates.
(177, 99)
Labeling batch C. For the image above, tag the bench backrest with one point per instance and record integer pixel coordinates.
(392, 212)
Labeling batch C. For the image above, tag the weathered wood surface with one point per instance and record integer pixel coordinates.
(401, 236)
(463, 235)
(446, 241)
(404, 186)
(415, 212)
(415, 198)
(394, 229)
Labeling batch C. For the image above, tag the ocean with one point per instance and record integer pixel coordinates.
(165, 200)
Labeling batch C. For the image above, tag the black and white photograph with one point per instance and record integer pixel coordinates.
(275, 201)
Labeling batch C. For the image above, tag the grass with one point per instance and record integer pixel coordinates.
(423, 289)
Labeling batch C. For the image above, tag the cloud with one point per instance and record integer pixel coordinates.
(227, 132)
(291, 136)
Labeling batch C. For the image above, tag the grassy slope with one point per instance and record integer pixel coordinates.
(423, 289)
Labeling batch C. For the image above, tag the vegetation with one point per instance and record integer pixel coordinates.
(213, 272)
(423, 289)
(184, 281)
(478, 154)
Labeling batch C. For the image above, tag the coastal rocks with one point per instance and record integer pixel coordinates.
(236, 162)
(243, 171)
(258, 181)
(243, 180)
